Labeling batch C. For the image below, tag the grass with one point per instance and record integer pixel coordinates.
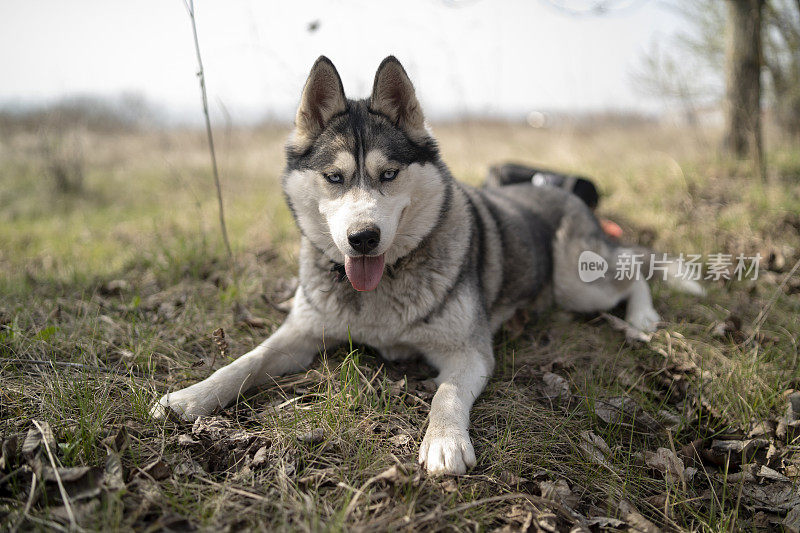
(129, 278)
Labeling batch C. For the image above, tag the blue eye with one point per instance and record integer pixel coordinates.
(334, 177)
(389, 175)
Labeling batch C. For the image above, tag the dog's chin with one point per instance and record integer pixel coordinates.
(364, 271)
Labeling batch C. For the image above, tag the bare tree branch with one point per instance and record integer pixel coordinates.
(202, 78)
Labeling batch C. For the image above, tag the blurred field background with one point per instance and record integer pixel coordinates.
(114, 277)
(83, 200)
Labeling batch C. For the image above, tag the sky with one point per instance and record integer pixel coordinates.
(482, 57)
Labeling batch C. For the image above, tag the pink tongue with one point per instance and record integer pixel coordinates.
(364, 272)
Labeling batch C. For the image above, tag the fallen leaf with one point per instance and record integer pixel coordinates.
(315, 436)
(521, 516)
(243, 475)
(546, 520)
(596, 450)
(218, 336)
(669, 420)
(35, 438)
(511, 479)
(774, 453)
(82, 511)
(188, 467)
(396, 473)
(605, 522)
(79, 482)
(449, 484)
(739, 451)
(763, 428)
(659, 501)
(558, 491)
(260, 457)
(792, 520)
(186, 440)
(119, 441)
(556, 388)
(112, 475)
(789, 424)
(766, 521)
(211, 427)
(397, 388)
(635, 520)
(67, 474)
(773, 497)
(772, 475)
(400, 440)
(746, 475)
(665, 461)
(623, 412)
(158, 470)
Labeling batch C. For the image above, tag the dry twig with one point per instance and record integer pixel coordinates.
(202, 78)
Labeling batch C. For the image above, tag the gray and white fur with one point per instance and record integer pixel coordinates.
(368, 189)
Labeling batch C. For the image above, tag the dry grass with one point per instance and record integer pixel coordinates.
(129, 280)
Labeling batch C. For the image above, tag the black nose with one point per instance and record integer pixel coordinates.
(365, 240)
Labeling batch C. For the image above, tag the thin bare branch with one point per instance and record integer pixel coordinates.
(209, 134)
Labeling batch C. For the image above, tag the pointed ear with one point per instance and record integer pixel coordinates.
(393, 95)
(323, 98)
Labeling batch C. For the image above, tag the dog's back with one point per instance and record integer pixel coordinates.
(515, 230)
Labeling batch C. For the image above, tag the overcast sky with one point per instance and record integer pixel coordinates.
(481, 56)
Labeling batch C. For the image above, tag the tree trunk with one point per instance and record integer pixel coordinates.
(742, 137)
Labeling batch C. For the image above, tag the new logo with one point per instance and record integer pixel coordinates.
(591, 266)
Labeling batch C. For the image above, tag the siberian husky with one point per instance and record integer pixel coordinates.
(396, 254)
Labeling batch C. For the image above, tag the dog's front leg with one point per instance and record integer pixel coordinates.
(290, 349)
(446, 448)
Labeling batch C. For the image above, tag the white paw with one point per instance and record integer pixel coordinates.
(446, 451)
(188, 403)
(645, 319)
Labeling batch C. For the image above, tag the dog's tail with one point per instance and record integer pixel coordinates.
(680, 280)
(675, 272)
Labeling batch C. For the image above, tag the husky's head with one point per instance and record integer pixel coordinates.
(363, 177)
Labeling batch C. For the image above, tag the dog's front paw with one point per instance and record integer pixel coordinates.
(645, 319)
(188, 403)
(446, 451)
